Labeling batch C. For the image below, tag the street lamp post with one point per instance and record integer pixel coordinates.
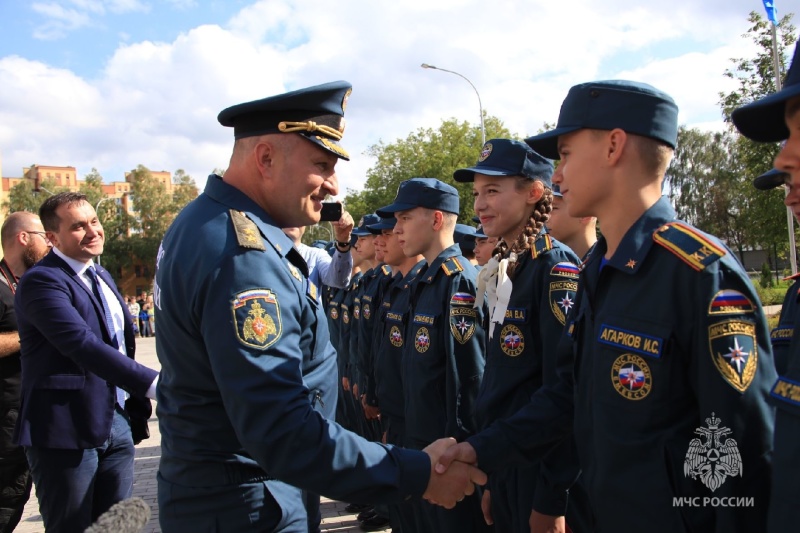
(480, 105)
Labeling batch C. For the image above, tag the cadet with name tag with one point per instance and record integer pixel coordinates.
(666, 364)
(443, 355)
(248, 378)
(776, 118)
(530, 283)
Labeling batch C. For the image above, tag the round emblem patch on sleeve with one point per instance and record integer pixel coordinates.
(631, 377)
(257, 318)
(734, 351)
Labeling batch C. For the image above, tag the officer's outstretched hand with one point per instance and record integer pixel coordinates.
(463, 452)
(449, 487)
(343, 227)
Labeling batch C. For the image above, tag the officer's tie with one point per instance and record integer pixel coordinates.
(112, 330)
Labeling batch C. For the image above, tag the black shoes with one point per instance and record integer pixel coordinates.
(357, 507)
(374, 523)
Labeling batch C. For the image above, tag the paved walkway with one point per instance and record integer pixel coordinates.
(334, 517)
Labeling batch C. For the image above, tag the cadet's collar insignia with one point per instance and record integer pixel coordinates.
(247, 233)
(422, 340)
(786, 390)
(730, 302)
(511, 340)
(691, 246)
(781, 335)
(565, 269)
(629, 340)
(734, 351)
(295, 272)
(485, 153)
(631, 377)
(562, 291)
(312, 290)
(430, 278)
(395, 337)
(631, 264)
(257, 318)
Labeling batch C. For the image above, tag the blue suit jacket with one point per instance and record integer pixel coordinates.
(69, 368)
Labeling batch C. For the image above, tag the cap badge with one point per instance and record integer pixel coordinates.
(486, 152)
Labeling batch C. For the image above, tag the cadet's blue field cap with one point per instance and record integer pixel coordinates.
(770, 180)
(504, 157)
(462, 235)
(362, 229)
(385, 223)
(316, 112)
(423, 192)
(631, 106)
(763, 120)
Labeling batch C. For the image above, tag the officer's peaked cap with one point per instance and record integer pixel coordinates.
(317, 113)
(763, 120)
(633, 107)
(423, 192)
(504, 157)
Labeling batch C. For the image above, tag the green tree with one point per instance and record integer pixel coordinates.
(184, 189)
(425, 153)
(767, 220)
(155, 212)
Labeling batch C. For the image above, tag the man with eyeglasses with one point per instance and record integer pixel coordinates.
(24, 244)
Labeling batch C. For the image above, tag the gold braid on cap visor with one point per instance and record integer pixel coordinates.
(311, 126)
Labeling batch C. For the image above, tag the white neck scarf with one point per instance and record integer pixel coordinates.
(494, 283)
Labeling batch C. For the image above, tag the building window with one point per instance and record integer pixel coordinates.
(137, 271)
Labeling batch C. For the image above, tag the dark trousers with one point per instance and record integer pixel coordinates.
(15, 486)
(74, 487)
(257, 507)
(401, 514)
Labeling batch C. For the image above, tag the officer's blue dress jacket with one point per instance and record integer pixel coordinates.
(69, 368)
(667, 338)
(443, 351)
(784, 513)
(245, 355)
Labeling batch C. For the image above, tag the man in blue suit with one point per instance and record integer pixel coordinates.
(77, 346)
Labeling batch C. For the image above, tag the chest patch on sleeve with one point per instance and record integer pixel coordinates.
(734, 351)
(257, 318)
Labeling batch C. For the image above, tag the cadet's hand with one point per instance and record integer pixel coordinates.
(542, 523)
(346, 384)
(486, 507)
(371, 412)
(450, 488)
(343, 227)
(355, 391)
(463, 452)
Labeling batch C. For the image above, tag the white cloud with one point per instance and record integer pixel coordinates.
(155, 103)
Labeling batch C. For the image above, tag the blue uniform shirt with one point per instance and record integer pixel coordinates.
(245, 356)
(666, 348)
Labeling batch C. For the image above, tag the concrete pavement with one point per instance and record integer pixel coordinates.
(148, 452)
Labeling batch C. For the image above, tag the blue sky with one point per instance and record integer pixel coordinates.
(112, 84)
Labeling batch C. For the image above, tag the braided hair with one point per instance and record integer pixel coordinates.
(533, 228)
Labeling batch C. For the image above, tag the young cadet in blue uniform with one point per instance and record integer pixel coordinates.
(666, 361)
(463, 236)
(385, 389)
(443, 352)
(528, 310)
(248, 377)
(771, 119)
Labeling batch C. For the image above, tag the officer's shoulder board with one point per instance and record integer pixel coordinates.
(247, 233)
(452, 266)
(542, 245)
(691, 246)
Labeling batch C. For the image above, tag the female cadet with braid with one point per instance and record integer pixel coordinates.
(530, 284)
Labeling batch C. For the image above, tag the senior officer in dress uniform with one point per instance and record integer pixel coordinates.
(248, 375)
(443, 356)
(771, 119)
(665, 364)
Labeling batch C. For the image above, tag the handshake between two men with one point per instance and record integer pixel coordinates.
(453, 472)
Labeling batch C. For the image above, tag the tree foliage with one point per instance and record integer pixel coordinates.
(425, 153)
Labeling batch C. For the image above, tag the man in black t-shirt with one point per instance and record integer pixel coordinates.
(24, 243)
